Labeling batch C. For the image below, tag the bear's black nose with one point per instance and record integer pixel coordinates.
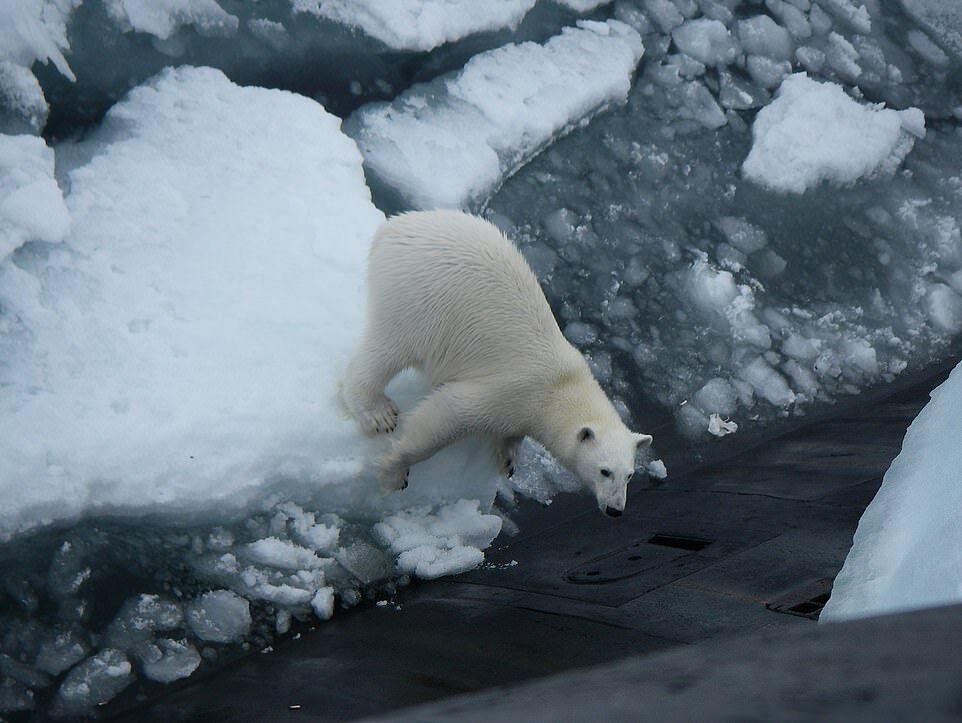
(612, 512)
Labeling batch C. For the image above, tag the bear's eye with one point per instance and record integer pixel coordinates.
(605, 472)
(630, 475)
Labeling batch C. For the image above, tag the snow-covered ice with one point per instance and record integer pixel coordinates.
(451, 143)
(420, 24)
(31, 205)
(814, 132)
(907, 551)
(176, 270)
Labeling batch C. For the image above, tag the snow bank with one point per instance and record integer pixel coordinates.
(179, 353)
(814, 132)
(907, 551)
(31, 205)
(419, 24)
(450, 143)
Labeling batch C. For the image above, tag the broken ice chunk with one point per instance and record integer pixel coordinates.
(791, 17)
(944, 308)
(282, 554)
(95, 680)
(440, 542)
(657, 469)
(813, 132)
(767, 383)
(717, 396)
(760, 35)
(842, 57)
(812, 59)
(168, 660)
(139, 617)
(742, 234)
(451, 142)
(219, 616)
(60, 651)
(429, 562)
(323, 603)
(707, 41)
(721, 427)
(857, 18)
(665, 14)
(766, 72)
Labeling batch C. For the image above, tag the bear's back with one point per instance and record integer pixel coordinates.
(459, 290)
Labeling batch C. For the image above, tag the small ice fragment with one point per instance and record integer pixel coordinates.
(95, 680)
(760, 35)
(168, 660)
(282, 554)
(742, 234)
(323, 603)
(219, 616)
(657, 469)
(767, 383)
(717, 396)
(61, 651)
(707, 41)
(720, 427)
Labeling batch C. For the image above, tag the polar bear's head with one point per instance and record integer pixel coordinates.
(604, 460)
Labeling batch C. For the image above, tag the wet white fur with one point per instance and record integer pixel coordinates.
(449, 295)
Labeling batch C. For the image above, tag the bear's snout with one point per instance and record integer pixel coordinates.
(613, 512)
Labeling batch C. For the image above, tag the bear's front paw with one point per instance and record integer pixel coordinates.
(380, 418)
(393, 477)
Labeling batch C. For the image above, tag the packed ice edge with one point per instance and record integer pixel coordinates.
(669, 207)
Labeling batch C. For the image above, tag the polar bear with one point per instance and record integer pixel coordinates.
(449, 295)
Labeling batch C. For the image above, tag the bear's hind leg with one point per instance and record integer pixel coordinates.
(506, 454)
(362, 389)
(447, 414)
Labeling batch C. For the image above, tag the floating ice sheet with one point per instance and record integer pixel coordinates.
(907, 551)
(815, 132)
(451, 142)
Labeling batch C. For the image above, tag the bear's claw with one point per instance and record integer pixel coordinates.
(381, 418)
(505, 454)
(393, 479)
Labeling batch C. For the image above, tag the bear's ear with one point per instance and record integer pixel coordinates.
(585, 433)
(642, 440)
